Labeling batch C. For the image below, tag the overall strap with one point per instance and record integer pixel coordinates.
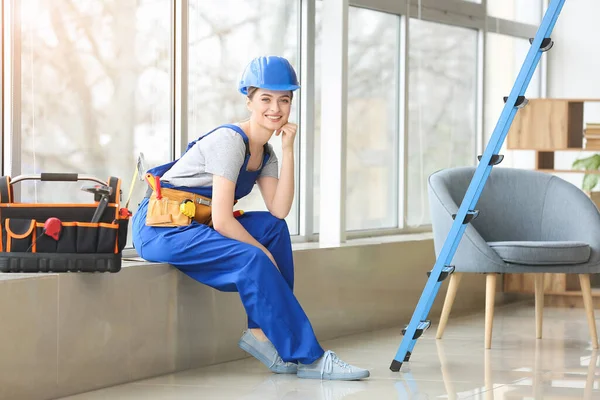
(193, 142)
(241, 132)
(238, 130)
(247, 141)
(230, 126)
(161, 169)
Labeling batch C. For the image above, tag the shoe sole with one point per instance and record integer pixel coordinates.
(250, 350)
(333, 377)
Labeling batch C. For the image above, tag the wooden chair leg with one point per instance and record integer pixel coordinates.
(539, 304)
(490, 296)
(448, 302)
(586, 290)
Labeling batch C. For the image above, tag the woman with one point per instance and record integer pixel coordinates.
(249, 253)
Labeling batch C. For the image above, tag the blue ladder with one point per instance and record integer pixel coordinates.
(466, 213)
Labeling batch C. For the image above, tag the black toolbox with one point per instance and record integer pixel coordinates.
(56, 237)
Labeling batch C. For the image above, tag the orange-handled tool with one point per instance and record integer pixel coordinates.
(150, 180)
(157, 187)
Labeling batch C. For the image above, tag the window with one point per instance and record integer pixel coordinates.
(95, 91)
(442, 107)
(372, 120)
(526, 11)
(503, 61)
(224, 35)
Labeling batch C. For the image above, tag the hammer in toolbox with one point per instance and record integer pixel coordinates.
(102, 192)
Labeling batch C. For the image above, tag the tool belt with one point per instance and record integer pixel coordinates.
(56, 237)
(177, 208)
(172, 207)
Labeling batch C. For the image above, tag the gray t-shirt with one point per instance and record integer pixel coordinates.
(221, 153)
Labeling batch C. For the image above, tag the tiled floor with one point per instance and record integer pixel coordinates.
(560, 366)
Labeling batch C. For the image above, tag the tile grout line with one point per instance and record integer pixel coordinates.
(483, 392)
(500, 385)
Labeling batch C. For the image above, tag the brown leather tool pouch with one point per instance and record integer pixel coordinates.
(166, 211)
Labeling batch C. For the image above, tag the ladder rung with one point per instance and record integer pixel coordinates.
(496, 159)
(520, 103)
(471, 215)
(547, 44)
(446, 272)
(422, 327)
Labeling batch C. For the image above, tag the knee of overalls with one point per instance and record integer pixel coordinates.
(267, 222)
(278, 223)
(258, 267)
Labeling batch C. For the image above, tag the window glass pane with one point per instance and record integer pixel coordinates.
(371, 159)
(224, 35)
(503, 61)
(526, 11)
(372, 127)
(442, 107)
(95, 91)
(317, 133)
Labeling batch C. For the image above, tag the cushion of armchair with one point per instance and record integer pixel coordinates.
(542, 253)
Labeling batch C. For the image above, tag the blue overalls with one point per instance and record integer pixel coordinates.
(229, 265)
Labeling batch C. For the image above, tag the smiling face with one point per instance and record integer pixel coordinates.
(270, 109)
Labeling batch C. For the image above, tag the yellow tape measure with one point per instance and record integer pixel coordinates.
(188, 208)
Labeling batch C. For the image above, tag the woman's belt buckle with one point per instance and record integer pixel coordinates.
(202, 201)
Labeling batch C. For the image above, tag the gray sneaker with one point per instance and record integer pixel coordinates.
(330, 367)
(266, 353)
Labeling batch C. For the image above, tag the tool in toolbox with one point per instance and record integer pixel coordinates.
(57, 237)
(466, 213)
(52, 228)
(139, 173)
(101, 191)
(140, 168)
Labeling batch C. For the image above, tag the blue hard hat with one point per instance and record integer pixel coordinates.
(269, 72)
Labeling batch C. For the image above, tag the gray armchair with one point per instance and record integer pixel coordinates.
(529, 222)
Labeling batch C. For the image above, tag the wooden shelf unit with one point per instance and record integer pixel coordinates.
(548, 126)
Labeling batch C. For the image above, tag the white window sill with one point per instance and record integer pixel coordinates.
(403, 237)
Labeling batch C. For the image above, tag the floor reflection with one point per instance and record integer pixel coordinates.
(552, 371)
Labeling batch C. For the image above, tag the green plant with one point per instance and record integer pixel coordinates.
(591, 163)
